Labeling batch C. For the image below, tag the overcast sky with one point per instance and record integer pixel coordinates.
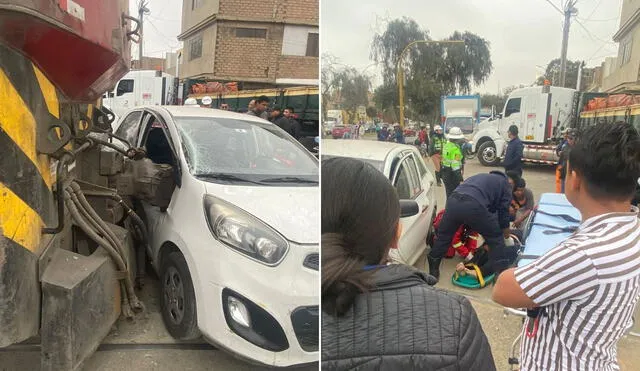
(161, 27)
(522, 33)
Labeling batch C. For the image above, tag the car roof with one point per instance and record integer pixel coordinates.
(363, 149)
(193, 111)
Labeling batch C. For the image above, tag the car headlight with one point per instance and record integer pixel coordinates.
(244, 232)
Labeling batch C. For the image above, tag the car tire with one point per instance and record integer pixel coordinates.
(487, 154)
(177, 298)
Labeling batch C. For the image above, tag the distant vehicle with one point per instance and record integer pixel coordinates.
(243, 274)
(141, 88)
(460, 111)
(338, 131)
(405, 168)
(540, 113)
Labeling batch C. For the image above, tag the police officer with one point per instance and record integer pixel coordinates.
(452, 160)
(435, 150)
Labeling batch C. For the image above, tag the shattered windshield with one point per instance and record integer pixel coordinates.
(257, 152)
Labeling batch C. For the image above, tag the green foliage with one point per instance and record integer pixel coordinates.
(431, 70)
(372, 112)
(552, 73)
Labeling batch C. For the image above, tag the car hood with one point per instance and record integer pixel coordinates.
(292, 211)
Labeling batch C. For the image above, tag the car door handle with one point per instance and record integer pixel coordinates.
(424, 209)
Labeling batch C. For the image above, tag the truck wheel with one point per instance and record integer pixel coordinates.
(177, 298)
(487, 154)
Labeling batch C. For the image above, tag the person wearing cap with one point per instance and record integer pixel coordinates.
(452, 160)
(191, 102)
(206, 102)
(515, 150)
(435, 150)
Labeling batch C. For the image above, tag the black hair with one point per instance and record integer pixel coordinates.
(521, 183)
(513, 130)
(514, 176)
(262, 98)
(290, 109)
(607, 157)
(360, 212)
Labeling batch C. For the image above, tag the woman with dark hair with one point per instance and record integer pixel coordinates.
(378, 316)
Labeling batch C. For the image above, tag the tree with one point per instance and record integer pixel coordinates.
(431, 70)
(352, 88)
(327, 81)
(552, 73)
(372, 112)
(496, 100)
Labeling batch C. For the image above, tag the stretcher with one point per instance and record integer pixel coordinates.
(552, 221)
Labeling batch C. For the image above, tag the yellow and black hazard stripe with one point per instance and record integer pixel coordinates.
(26, 200)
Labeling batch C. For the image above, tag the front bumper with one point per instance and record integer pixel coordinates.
(282, 303)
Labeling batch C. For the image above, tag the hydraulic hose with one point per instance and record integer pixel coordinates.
(133, 302)
(137, 221)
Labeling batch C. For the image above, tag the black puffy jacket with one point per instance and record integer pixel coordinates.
(405, 324)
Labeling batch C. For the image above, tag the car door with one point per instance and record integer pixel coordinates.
(406, 180)
(155, 217)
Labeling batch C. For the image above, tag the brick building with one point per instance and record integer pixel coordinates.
(258, 44)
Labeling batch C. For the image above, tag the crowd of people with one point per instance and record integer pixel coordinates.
(583, 291)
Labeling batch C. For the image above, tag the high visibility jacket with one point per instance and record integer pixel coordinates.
(452, 156)
(437, 143)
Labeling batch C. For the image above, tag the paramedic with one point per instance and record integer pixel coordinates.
(373, 314)
(586, 288)
(435, 150)
(452, 160)
(481, 203)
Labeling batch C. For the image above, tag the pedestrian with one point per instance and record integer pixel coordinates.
(383, 134)
(206, 102)
(224, 107)
(562, 162)
(435, 150)
(522, 204)
(452, 163)
(513, 158)
(294, 126)
(583, 292)
(481, 203)
(398, 135)
(379, 316)
(260, 106)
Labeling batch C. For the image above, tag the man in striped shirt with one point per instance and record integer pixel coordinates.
(587, 287)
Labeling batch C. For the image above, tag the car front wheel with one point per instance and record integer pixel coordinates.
(177, 297)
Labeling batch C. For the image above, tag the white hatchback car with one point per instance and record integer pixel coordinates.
(237, 249)
(406, 169)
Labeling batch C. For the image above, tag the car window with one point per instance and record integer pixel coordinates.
(124, 86)
(407, 183)
(464, 123)
(250, 149)
(129, 127)
(422, 169)
(156, 142)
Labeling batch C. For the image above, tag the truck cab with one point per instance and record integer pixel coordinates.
(539, 115)
(140, 88)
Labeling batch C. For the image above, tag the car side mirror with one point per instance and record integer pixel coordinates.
(408, 208)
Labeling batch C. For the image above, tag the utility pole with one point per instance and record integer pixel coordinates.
(142, 10)
(569, 10)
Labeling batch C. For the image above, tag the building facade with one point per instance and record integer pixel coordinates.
(622, 74)
(258, 44)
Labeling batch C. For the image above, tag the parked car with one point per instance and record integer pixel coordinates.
(405, 168)
(237, 249)
(338, 131)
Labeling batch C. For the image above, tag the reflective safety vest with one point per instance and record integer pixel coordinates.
(452, 156)
(438, 143)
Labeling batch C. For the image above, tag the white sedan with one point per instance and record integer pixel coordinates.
(237, 248)
(406, 170)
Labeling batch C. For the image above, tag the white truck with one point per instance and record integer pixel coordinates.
(540, 113)
(462, 111)
(141, 88)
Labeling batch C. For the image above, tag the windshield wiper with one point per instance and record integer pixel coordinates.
(289, 179)
(226, 176)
